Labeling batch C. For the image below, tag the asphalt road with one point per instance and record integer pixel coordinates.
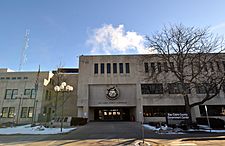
(111, 133)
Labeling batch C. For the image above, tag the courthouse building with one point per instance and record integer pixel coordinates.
(106, 88)
(118, 87)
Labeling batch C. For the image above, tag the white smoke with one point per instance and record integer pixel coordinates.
(115, 40)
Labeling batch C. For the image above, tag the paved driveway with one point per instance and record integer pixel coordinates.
(104, 133)
(107, 130)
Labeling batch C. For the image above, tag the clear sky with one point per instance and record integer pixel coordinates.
(62, 30)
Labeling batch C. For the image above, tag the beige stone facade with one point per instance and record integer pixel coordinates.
(125, 74)
(18, 101)
(19, 104)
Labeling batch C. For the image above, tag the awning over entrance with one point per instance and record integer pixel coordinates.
(113, 114)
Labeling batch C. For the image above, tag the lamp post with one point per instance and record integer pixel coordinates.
(63, 88)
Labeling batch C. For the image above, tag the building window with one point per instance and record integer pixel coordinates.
(172, 66)
(211, 66)
(2, 78)
(102, 68)
(11, 112)
(159, 67)
(18, 78)
(25, 78)
(205, 67)
(218, 65)
(4, 112)
(24, 112)
(161, 111)
(30, 112)
(33, 93)
(114, 68)
(96, 68)
(46, 95)
(176, 88)
(108, 68)
(213, 110)
(121, 67)
(203, 88)
(223, 62)
(13, 78)
(153, 67)
(11, 93)
(165, 66)
(146, 67)
(7, 78)
(127, 65)
(151, 88)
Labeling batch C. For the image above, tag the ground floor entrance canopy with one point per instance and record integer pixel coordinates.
(113, 113)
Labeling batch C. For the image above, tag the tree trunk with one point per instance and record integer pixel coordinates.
(188, 110)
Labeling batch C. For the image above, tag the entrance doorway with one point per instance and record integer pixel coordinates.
(112, 114)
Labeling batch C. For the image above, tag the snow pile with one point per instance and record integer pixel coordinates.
(27, 129)
(164, 129)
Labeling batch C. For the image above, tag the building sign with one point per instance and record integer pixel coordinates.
(177, 116)
(112, 93)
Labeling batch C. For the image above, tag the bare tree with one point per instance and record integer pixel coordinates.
(193, 57)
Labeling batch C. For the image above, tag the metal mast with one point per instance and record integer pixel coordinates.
(23, 56)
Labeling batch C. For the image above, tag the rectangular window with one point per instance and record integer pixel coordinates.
(223, 62)
(30, 112)
(33, 93)
(176, 88)
(11, 112)
(159, 67)
(127, 65)
(146, 67)
(165, 66)
(15, 92)
(152, 88)
(25, 78)
(2, 78)
(161, 111)
(46, 95)
(24, 112)
(121, 67)
(172, 66)
(153, 67)
(203, 88)
(205, 67)
(218, 66)
(13, 78)
(4, 112)
(213, 110)
(27, 92)
(96, 68)
(102, 68)
(211, 66)
(18, 78)
(114, 68)
(108, 68)
(8, 93)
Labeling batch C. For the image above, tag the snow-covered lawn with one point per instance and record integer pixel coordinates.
(164, 129)
(169, 130)
(27, 129)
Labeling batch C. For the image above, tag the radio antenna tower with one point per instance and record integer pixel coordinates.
(23, 56)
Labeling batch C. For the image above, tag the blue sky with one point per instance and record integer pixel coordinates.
(62, 30)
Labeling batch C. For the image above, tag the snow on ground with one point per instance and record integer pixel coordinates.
(169, 130)
(163, 129)
(27, 129)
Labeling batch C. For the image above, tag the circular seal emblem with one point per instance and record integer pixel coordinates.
(112, 93)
